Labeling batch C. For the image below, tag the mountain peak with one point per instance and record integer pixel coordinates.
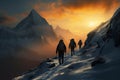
(37, 19)
(32, 19)
(34, 12)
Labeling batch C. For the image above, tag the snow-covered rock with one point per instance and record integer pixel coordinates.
(108, 37)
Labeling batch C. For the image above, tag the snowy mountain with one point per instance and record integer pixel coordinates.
(32, 29)
(35, 25)
(99, 59)
(24, 44)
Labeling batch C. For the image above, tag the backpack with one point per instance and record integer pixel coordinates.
(61, 47)
(72, 44)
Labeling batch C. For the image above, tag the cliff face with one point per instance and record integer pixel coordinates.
(107, 30)
(105, 42)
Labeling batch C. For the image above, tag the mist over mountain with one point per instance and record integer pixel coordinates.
(32, 29)
(25, 44)
(62, 32)
(35, 26)
(66, 34)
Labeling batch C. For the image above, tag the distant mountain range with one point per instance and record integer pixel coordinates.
(62, 32)
(65, 34)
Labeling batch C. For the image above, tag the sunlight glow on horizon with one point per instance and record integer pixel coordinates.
(92, 24)
(78, 21)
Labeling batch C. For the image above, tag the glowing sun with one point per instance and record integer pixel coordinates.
(92, 24)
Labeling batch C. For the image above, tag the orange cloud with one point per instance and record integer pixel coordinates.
(62, 8)
(51, 9)
(78, 16)
(77, 4)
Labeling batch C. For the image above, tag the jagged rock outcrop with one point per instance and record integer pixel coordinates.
(107, 30)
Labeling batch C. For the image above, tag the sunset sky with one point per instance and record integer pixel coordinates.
(78, 16)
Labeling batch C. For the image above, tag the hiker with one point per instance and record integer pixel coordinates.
(72, 46)
(80, 44)
(61, 49)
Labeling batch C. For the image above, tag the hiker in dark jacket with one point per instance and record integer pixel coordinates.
(61, 49)
(72, 46)
(80, 44)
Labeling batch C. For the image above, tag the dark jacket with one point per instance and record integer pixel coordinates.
(80, 43)
(72, 44)
(61, 47)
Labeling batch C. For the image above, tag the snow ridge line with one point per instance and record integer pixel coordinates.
(45, 76)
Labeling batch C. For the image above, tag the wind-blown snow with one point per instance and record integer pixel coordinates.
(79, 67)
(69, 70)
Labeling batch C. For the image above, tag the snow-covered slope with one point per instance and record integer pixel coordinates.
(102, 43)
(107, 37)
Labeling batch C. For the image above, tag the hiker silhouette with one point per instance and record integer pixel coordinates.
(80, 44)
(72, 46)
(61, 49)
